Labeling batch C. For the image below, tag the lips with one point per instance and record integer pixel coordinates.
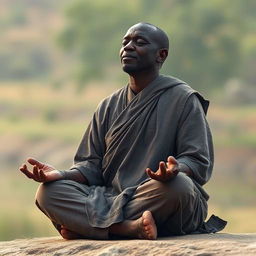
(128, 57)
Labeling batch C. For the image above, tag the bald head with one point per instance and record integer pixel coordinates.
(159, 36)
(144, 49)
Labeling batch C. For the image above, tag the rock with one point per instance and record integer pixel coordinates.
(203, 245)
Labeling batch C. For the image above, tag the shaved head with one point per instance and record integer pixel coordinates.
(144, 49)
(157, 33)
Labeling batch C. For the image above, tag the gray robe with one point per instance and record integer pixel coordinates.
(167, 118)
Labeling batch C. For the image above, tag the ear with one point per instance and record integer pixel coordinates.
(162, 55)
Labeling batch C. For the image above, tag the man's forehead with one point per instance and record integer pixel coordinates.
(141, 30)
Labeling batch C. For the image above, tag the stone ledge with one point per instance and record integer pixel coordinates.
(210, 244)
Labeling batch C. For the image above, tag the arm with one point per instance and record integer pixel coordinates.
(194, 147)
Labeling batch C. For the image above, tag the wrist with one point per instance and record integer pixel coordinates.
(185, 169)
(63, 175)
(74, 175)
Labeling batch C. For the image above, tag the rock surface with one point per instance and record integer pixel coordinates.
(203, 245)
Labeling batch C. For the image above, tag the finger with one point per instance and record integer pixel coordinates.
(42, 175)
(33, 161)
(25, 170)
(151, 174)
(172, 160)
(162, 168)
(173, 167)
(36, 173)
(23, 167)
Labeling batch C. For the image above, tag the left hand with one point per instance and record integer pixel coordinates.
(166, 171)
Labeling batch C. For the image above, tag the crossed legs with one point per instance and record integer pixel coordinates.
(175, 207)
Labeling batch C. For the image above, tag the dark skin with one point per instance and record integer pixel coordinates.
(141, 57)
(42, 172)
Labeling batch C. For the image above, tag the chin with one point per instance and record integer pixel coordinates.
(130, 69)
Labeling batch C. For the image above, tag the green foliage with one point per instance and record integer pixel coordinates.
(211, 41)
(208, 38)
(94, 32)
(26, 47)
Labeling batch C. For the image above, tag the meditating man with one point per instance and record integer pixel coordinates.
(143, 159)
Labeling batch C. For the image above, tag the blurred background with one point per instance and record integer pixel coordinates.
(59, 58)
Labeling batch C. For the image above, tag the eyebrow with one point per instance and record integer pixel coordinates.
(137, 37)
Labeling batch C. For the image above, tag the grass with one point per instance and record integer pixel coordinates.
(19, 217)
(39, 129)
(240, 219)
(231, 193)
(236, 140)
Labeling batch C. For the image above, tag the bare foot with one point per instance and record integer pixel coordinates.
(143, 228)
(147, 226)
(68, 234)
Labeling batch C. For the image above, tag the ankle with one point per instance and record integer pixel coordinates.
(125, 228)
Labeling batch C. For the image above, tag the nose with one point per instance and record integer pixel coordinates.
(129, 46)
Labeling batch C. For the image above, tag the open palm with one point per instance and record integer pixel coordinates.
(166, 171)
(41, 172)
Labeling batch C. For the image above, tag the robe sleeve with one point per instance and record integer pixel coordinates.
(88, 158)
(194, 140)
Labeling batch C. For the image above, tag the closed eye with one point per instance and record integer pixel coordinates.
(141, 42)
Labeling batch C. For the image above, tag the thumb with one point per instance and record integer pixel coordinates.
(172, 160)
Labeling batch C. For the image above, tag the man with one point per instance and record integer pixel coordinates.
(120, 184)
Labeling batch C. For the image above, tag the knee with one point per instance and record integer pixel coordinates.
(41, 196)
(45, 194)
(180, 189)
(183, 187)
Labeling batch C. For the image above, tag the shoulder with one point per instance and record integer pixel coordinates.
(112, 98)
(185, 94)
(179, 87)
(108, 105)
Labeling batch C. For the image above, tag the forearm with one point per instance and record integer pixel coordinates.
(75, 175)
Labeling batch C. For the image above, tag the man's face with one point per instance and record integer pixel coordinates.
(139, 50)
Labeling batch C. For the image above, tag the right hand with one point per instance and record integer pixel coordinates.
(41, 172)
(166, 171)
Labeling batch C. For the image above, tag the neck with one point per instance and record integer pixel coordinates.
(138, 82)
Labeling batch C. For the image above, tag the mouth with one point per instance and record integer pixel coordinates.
(128, 57)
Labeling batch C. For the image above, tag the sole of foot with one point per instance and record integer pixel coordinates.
(149, 229)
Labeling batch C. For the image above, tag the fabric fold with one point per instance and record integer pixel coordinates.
(127, 136)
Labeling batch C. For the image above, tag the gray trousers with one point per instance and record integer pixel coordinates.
(177, 206)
